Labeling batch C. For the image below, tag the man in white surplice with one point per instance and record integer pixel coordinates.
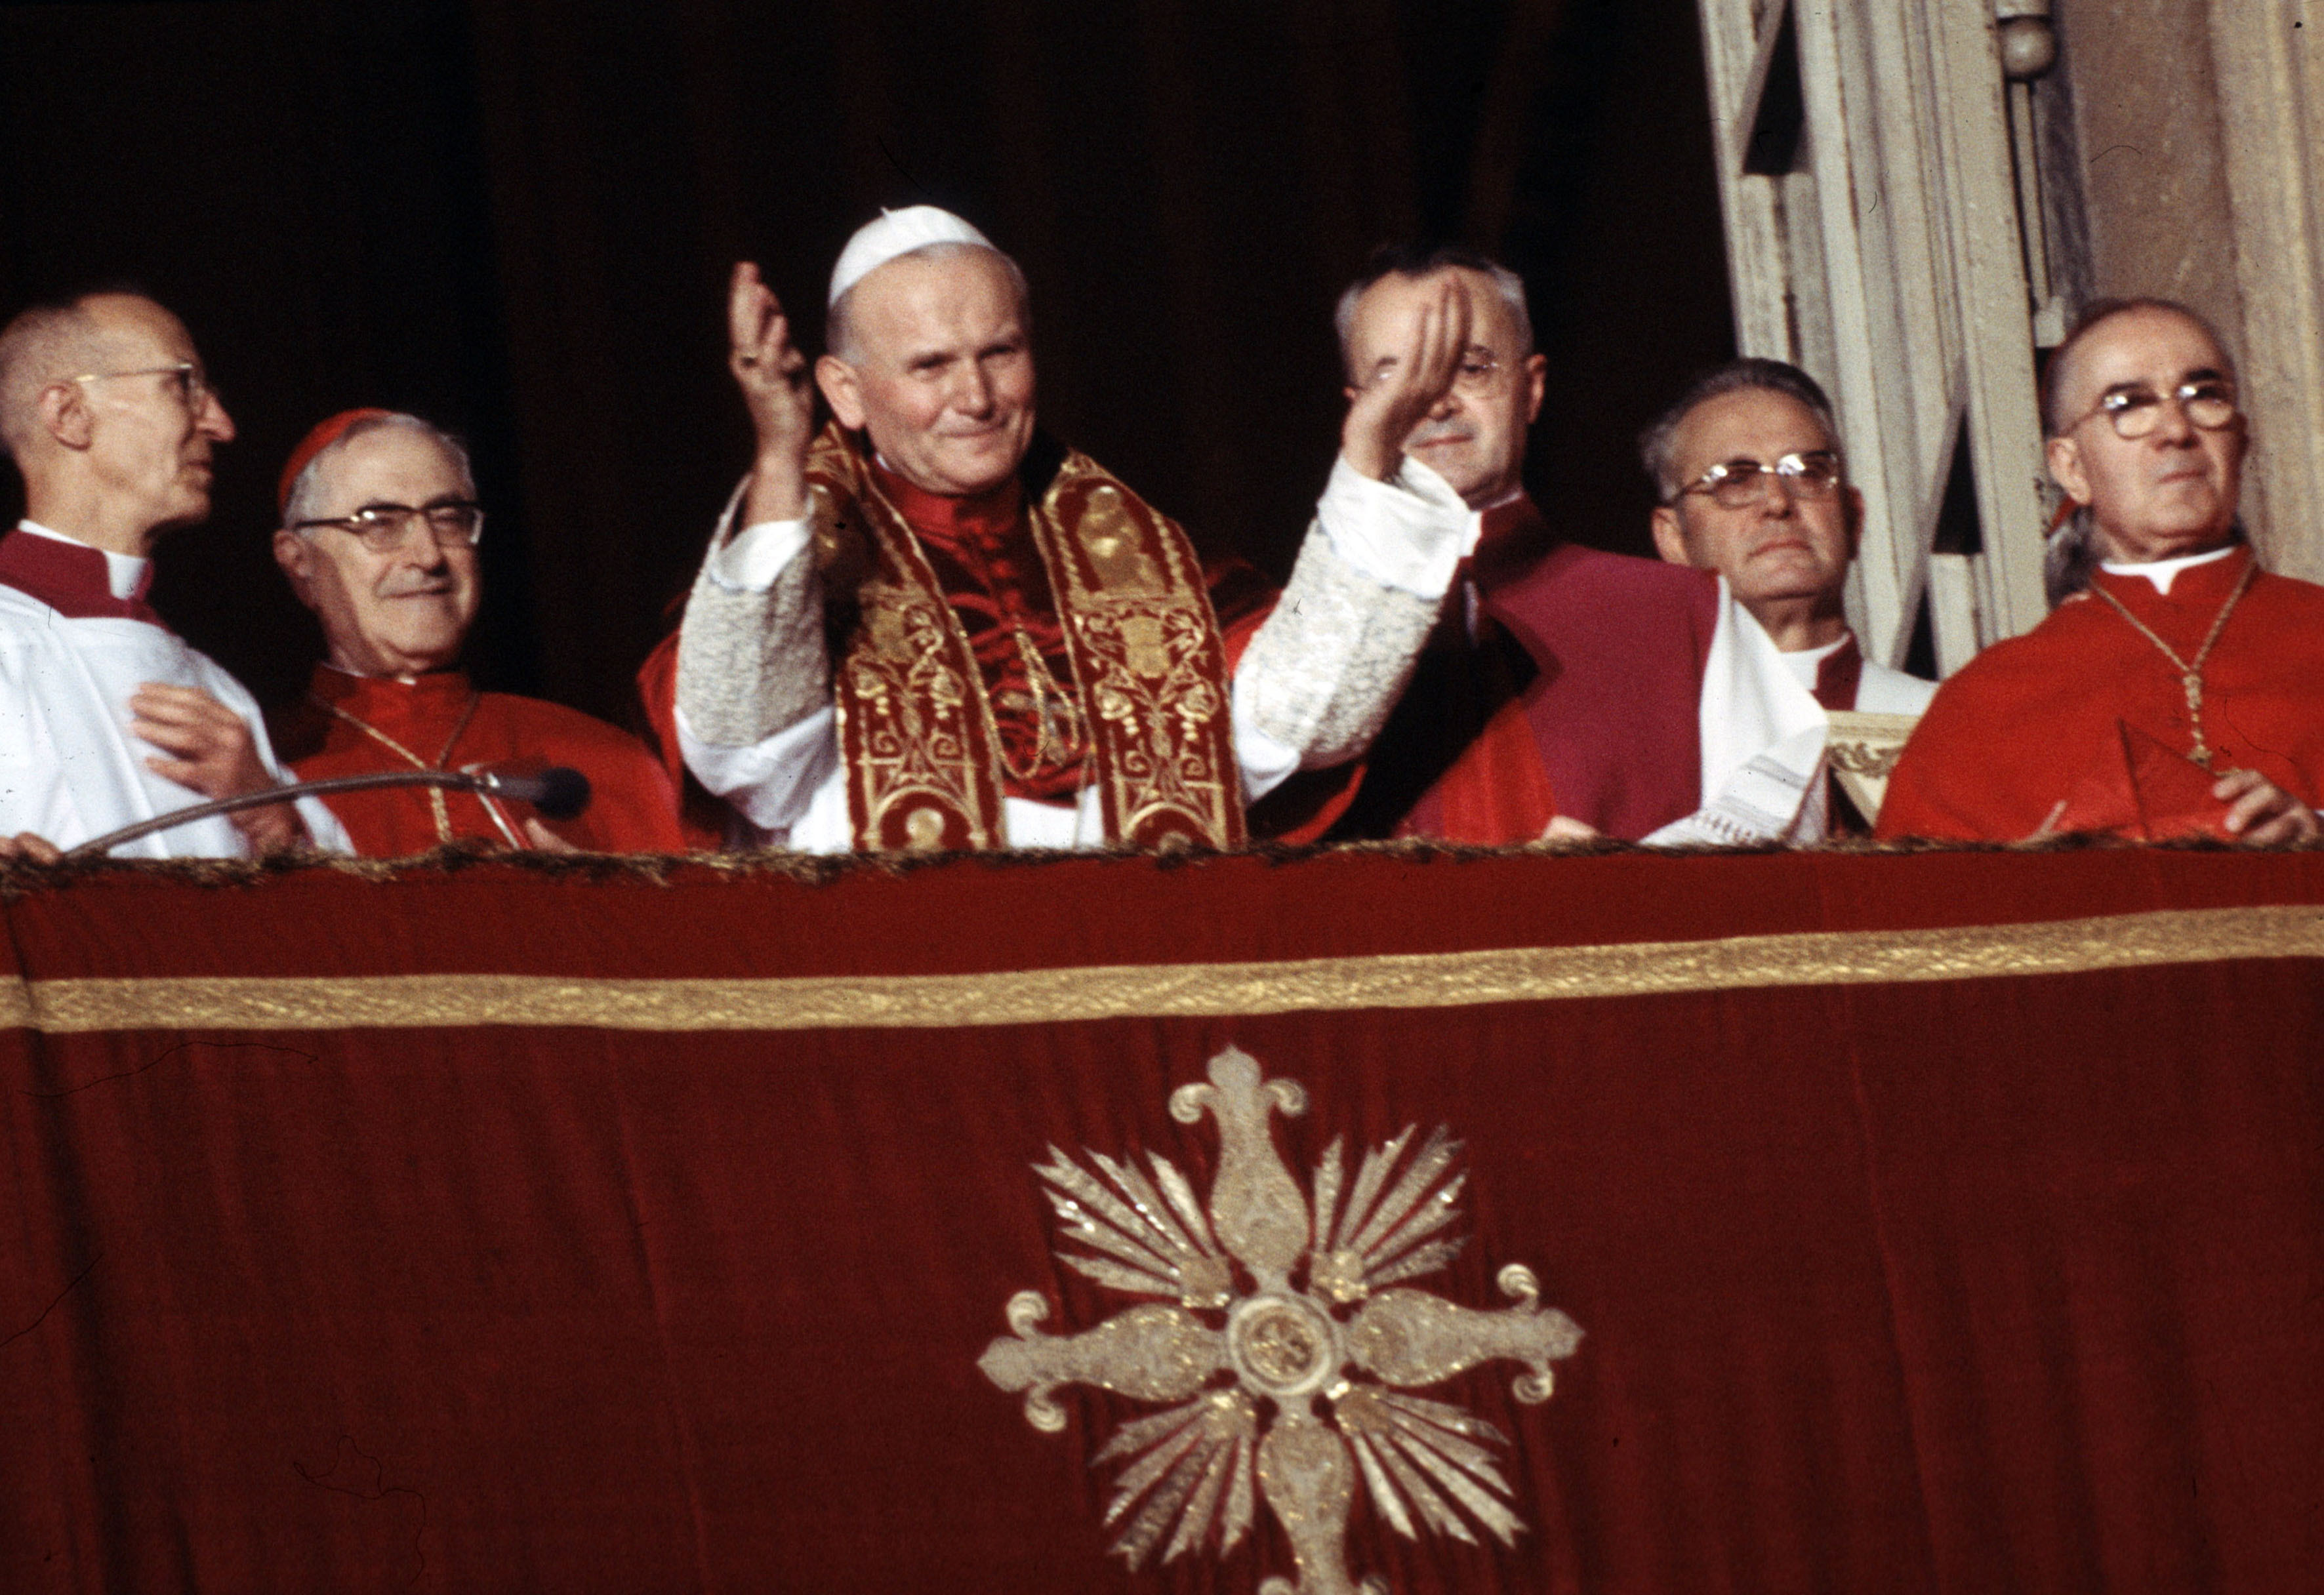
(930, 374)
(106, 717)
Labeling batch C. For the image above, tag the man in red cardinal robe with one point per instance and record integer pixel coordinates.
(380, 526)
(2180, 690)
(931, 628)
(1565, 691)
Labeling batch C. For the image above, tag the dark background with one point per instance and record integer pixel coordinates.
(517, 219)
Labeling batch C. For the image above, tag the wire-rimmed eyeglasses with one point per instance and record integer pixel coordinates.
(2135, 410)
(1738, 483)
(1474, 377)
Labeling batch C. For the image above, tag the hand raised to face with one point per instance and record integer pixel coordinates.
(1399, 393)
(773, 377)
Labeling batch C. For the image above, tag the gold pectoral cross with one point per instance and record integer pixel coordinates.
(2193, 681)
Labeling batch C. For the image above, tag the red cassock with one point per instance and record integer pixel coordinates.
(439, 721)
(2070, 710)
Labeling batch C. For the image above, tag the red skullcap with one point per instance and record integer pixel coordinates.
(325, 433)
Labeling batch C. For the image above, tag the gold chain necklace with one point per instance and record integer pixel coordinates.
(436, 807)
(2190, 672)
(1063, 739)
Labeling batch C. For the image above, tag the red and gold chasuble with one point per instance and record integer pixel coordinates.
(1140, 711)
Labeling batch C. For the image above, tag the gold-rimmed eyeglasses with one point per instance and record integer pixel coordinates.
(1738, 483)
(2135, 410)
(454, 523)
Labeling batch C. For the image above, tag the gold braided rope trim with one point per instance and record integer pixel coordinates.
(1165, 990)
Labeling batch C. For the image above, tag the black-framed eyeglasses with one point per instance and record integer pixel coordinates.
(1738, 483)
(187, 378)
(2135, 410)
(454, 523)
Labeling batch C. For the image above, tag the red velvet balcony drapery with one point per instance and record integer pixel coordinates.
(1936, 1222)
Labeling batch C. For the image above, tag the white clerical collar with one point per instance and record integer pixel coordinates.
(1806, 664)
(124, 574)
(2164, 572)
(1473, 529)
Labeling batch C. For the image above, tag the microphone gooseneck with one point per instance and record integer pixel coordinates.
(558, 792)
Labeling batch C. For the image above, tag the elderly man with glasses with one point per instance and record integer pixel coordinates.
(2178, 688)
(1565, 691)
(106, 717)
(1747, 467)
(379, 535)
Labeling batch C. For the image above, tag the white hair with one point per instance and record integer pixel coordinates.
(300, 505)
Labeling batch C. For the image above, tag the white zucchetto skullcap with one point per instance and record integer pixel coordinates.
(896, 233)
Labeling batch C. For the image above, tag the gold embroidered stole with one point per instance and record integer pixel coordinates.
(916, 729)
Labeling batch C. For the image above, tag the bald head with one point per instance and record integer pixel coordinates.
(2144, 431)
(41, 346)
(106, 410)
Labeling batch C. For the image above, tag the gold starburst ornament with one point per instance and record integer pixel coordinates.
(1290, 1392)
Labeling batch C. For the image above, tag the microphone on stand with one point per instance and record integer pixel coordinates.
(558, 792)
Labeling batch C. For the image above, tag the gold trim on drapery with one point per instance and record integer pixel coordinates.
(1162, 990)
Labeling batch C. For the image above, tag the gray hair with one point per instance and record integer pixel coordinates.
(308, 485)
(1658, 444)
(839, 338)
(1413, 260)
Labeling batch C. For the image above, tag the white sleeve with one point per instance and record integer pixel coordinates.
(1411, 533)
(751, 560)
(775, 780)
(1320, 676)
(754, 708)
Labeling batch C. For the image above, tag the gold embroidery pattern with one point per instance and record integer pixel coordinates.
(914, 730)
(923, 753)
(913, 727)
(1146, 652)
(1264, 1299)
(1863, 750)
(1164, 991)
(1866, 757)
